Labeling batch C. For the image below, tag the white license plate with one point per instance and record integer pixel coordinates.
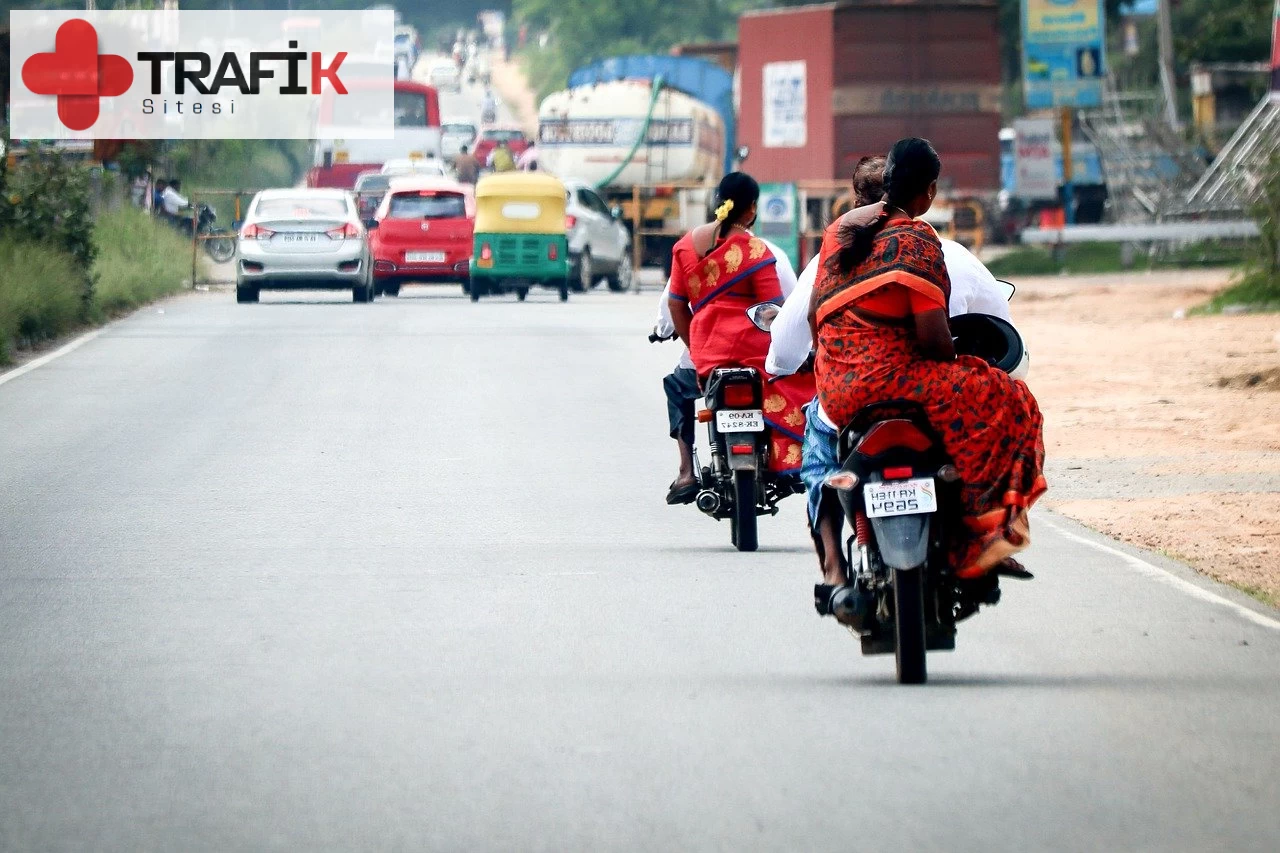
(901, 497)
(740, 420)
(424, 257)
(298, 238)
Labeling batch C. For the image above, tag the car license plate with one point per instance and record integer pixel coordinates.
(900, 497)
(740, 420)
(298, 238)
(424, 257)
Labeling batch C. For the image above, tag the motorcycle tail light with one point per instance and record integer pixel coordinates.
(347, 229)
(844, 481)
(256, 232)
(900, 473)
(739, 395)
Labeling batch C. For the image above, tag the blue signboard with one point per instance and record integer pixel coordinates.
(1063, 53)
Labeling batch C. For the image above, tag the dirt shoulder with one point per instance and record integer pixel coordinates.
(1162, 430)
(513, 88)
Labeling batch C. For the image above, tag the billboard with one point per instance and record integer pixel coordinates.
(1035, 166)
(785, 122)
(1063, 53)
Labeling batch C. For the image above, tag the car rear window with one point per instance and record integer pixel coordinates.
(461, 129)
(427, 205)
(373, 182)
(301, 208)
(508, 135)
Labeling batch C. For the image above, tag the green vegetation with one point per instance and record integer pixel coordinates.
(40, 294)
(1087, 258)
(1259, 286)
(139, 261)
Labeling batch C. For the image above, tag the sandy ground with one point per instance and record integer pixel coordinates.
(513, 89)
(1162, 430)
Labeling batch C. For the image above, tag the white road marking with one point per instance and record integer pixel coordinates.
(48, 357)
(1156, 573)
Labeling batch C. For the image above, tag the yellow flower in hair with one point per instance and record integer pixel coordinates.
(722, 212)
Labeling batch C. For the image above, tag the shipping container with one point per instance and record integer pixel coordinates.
(827, 84)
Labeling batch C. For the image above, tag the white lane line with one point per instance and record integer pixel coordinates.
(48, 357)
(1156, 573)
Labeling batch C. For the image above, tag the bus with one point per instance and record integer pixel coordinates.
(337, 162)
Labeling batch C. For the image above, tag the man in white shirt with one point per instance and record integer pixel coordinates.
(681, 385)
(172, 200)
(973, 290)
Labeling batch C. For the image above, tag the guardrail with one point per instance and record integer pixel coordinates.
(1157, 232)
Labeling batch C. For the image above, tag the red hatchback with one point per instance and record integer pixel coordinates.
(423, 233)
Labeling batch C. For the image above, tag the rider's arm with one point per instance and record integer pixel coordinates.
(681, 318)
(933, 334)
(678, 299)
(790, 337)
(664, 327)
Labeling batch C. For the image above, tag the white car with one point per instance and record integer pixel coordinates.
(599, 243)
(303, 239)
(416, 166)
(455, 133)
(444, 75)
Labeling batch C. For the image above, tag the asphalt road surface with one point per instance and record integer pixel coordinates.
(309, 575)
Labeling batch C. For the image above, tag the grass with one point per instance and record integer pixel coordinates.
(1258, 594)
(139, 261)
(1096, 258)
(1256, 291)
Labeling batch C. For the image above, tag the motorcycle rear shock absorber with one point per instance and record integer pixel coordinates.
(862, 534)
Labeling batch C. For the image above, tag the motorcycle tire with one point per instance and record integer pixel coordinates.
(221, 248)
(908, 625)
(743, 523)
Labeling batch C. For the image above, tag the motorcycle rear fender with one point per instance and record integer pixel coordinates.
(903, 539)
(741, 461)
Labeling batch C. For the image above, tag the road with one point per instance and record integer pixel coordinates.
(309, 575)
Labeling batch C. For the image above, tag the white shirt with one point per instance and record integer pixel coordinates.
(172, 201)
(973, 291)
(664, 327)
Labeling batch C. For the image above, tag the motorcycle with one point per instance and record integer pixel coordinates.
(901, 496)
(218, 244)
(738, 484)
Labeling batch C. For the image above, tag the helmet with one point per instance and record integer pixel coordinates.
(991, 339)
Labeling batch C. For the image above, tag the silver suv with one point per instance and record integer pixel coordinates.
(599, 243)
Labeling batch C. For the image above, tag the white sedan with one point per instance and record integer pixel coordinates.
(417, 166)
(303, 239)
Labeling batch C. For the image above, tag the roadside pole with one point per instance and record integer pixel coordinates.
(1068, 167)
(194, 240)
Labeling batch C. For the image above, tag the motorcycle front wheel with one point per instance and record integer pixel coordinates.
(743, 522)
(908, 625)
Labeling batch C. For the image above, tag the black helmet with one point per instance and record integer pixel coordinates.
(991, 339)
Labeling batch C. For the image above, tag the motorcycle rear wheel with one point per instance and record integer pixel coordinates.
(743, 522)
(221, 248)
(908, 625)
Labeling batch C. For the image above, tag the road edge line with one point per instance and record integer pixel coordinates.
(1151, 570)
(70, 346)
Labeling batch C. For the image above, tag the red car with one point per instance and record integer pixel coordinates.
(422, 232)
(517, 142)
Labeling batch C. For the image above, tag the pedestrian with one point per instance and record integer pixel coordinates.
(466, 166)
(500, 159)
(157, 196)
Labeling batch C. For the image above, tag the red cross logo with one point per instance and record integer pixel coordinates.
(77, 74)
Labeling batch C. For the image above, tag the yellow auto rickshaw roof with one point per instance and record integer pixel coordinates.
(519, 184)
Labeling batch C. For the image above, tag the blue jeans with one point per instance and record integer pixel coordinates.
(820, 458)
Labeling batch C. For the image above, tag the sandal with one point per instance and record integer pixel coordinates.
(685, 494)
(1011, 568)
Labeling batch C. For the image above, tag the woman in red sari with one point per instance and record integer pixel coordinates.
(718, 271)
(880, 315)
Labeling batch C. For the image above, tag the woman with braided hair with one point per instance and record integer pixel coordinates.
(718, 271)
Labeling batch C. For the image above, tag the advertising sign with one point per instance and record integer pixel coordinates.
(1035, 172)
(201, 75)
(1063, 53)
(778, 219)
(785, 115)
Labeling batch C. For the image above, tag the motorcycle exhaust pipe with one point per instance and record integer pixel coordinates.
(708, 501)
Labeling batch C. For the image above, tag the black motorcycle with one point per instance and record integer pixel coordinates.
(901, 496)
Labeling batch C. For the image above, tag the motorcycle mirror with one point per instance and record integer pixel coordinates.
(1007, 288)
(763, 315)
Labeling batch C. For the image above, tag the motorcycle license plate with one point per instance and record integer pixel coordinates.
(424, 257)
(900, 497)
(740, 420)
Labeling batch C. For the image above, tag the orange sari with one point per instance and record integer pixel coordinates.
(737, 273)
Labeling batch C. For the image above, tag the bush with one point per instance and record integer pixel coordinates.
(139, 260)
(40, 294)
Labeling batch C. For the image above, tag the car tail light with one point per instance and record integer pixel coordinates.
(348, 229)
(742, 449)
(569, 221)
(256, 232)
(486, 256)
(552, 252)
(900, 473)
(739, 395)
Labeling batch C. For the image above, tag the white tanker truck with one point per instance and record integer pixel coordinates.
(620, 135)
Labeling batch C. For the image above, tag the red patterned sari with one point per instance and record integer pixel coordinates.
(989, 423)
(737, 273)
